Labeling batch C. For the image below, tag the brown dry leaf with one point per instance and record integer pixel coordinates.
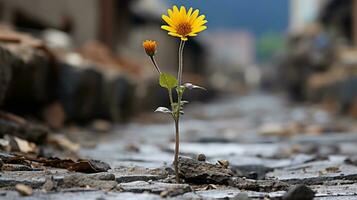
(24, 190)
(89, 166)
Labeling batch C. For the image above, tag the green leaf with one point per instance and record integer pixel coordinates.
(168, 81)
(163, 110)
(192, 86)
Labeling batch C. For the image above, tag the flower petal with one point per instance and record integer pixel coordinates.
(194, 15)
(189, 12)
(168, 28)
(168, 20)
(199, 29)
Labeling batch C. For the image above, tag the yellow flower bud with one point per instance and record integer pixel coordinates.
(150, 47)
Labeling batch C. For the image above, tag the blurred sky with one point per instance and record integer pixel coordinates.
(255, 16)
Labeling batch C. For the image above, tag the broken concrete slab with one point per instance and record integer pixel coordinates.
(130, 174)
(316, 172)
(170, 189)
(82, 180)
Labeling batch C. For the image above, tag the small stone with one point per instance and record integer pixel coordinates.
(299, 192)
(23, 190)
(49, 185)
(224, 163)
(201, 157)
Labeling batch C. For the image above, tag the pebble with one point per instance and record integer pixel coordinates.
(201, 157)
(299, 192)
(23, 190)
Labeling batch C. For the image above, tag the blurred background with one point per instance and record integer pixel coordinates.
(77, 62)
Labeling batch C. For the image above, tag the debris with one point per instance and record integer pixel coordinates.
(200, 172)
(24, 190)
(83, 180)
(166, 189)
(258, 185)
(21, 145)
(49, 185)
(63, 143)
(28, 131)
(299, 192)
(332, 169)
(15, 167)
(201, 157)
(224, 163)
(89, 166)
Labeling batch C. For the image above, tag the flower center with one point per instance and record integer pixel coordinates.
(184, 29)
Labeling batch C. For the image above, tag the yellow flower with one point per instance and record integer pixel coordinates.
(183, 24)
(150, 47)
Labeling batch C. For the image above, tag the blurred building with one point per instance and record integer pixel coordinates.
(232, 56)
(304, 12)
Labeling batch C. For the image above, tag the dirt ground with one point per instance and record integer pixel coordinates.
(257, 147)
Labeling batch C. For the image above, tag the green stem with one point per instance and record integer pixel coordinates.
(177, 146)
(179, 73)
(177, 112)
(155, 64)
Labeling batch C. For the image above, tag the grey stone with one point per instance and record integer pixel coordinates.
(155, 187)
(299, 192)
(83, 180)
(195, 171)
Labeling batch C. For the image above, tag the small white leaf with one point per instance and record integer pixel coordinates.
(163, 110)
(192, 86)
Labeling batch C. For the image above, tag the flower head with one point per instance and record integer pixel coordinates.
(182, 23)
(150, 47)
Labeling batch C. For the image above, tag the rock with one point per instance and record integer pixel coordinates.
(15, 167)
(167, 189)
(125, 175)
(28, 131)
(224, 163)
(34, 76)
(200, 172)
(49, 185)
(201, 157)
(83, 180)
(258, 185)
(299, 192)
(24, 190)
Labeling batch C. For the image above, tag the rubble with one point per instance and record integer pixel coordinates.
(299, 192)
(24, 190)
(168, 189)
(195, 171)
